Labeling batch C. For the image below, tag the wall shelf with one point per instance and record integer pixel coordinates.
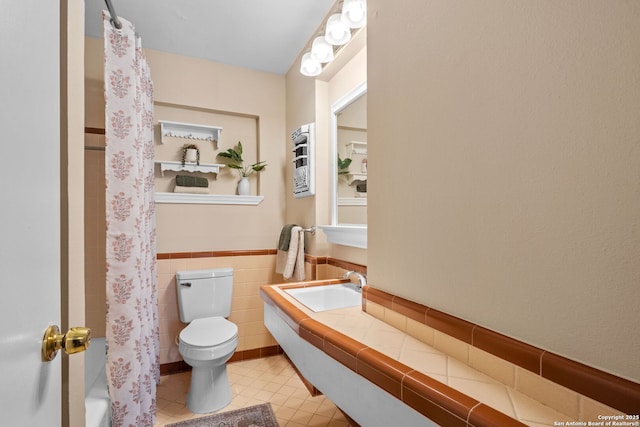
(189, 167)
(207, 199)
(189, 131)
(352, 201)
(355, 147)
(356, 178)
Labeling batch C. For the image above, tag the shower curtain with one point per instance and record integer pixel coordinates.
(133, 367)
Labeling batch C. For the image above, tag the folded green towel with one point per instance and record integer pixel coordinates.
(285, 237)
(191, 181)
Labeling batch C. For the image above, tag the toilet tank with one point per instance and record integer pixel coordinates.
(204, 293)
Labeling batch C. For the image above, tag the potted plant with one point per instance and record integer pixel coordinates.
(233, 159)
(343, 165)
(190, 153)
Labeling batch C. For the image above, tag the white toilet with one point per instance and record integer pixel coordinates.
(208, 342)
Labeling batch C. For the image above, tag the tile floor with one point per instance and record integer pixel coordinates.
(271, 379)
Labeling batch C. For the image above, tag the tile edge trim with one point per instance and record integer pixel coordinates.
(290, 312)
(620, 391)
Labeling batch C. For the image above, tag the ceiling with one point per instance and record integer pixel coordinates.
(265, 35)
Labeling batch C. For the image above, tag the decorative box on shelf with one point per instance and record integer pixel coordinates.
(189, 167)
(189, 131)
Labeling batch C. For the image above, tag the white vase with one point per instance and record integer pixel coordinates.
(244, 187)
(191, 155)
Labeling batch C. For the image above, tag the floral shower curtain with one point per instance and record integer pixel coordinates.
(133, 367)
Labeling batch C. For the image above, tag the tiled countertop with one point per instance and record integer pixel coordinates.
(372, 337)
(417, 355)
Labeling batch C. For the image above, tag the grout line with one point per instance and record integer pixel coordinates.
(473, 330)
(471, 410)
(358, 358)
(513, 404)
(402, 384)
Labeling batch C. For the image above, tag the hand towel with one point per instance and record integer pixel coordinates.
(298, 271)
(283, 247)
(191, 181)
(193, 190)
(285, 237)
(291, 263)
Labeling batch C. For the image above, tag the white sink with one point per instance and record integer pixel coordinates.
(329, 297)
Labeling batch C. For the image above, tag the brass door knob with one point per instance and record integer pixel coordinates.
(76, 339)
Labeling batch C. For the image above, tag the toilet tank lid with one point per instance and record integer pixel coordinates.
(204, 274)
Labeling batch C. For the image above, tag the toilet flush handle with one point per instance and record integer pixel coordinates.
(187, 284)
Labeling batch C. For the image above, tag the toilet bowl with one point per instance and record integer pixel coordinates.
(209, 340)
(206, 345)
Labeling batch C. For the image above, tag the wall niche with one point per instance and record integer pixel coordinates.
(223, 184)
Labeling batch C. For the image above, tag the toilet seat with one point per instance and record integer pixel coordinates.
(209, 332)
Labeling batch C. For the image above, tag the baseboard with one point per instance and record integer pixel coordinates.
(254, 353)
(174, 368)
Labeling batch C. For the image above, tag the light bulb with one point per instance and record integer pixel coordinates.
(354, 13)
(309, 66)
(338, 32)
(321, 50)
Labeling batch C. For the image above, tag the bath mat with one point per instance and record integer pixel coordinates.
(253, 416)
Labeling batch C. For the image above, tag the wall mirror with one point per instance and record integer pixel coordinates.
(349, 169)
(351, 151)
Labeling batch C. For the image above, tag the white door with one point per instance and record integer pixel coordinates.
(30, 389)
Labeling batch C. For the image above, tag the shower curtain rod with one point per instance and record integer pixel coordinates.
(114, 16)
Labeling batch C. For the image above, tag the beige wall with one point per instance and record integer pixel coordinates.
(95, 292)
(301, 109)
(250, 107)
(310, 100)
(524, 215)
(250, 272)
(247, 308)
(197, 87)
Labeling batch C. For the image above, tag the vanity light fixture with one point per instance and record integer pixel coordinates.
(321, 50)
(309, 66)
(351, 14)
(354, 13)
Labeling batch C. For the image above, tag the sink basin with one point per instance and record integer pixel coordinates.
(329, 297)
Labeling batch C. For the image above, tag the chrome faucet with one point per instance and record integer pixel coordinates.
(362, 279)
